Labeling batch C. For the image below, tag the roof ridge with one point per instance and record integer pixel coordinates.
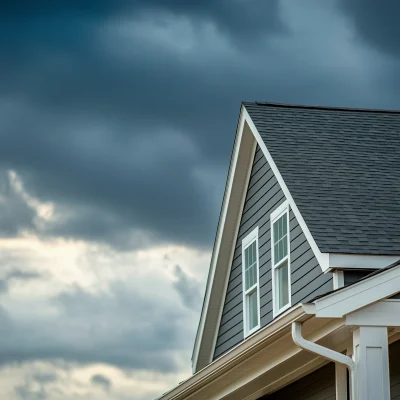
(327, 108)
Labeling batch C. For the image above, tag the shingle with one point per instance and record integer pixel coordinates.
(342, 168)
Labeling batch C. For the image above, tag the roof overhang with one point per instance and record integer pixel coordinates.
(359, 261)
(265, 362)
(363, 293)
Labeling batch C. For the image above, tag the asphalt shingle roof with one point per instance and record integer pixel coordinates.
(342, 167)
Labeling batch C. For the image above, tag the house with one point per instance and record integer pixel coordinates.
(301, 299)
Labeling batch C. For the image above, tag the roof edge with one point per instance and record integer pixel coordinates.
(327, 108)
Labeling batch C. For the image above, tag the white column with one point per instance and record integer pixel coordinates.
(371, 356)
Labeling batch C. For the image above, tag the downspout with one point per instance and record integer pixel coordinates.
(326, 353)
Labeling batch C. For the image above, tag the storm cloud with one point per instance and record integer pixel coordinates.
(117, 97)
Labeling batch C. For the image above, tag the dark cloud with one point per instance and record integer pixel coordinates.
(236, 18)
(129, 133)
(376, 23)
(188, 289)
(119, 327)
(102, 381)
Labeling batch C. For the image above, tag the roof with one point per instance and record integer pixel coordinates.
(342, 168)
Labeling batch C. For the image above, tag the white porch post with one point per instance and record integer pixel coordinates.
(341, 381)
(371, 356)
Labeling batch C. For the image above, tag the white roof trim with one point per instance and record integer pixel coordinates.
(360, 261)
(323, 258)
(221, 260)
(361, 294)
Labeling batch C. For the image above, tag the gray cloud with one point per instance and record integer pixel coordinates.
(31, 391)
(102, 381)
(45, 378)
(119, 327)
(375, 23)
(188, 289)
(27, 392)
(118, 132)
(15, 214)
(14, 270)
(236, 18)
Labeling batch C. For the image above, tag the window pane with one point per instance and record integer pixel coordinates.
(252, 310)
(276, 255)
(284, 247)
(251, 276)
(284, 224)
(250, 267)
(282, 284)
(275, 228)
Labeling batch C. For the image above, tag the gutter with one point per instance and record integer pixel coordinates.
(325, 353)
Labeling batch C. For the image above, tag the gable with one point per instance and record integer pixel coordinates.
(247, 136)
(341, 167)
(264, 195)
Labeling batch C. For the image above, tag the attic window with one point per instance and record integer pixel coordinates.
(251, 287)
(281, 287)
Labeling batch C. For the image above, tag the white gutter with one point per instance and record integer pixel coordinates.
(326, 353)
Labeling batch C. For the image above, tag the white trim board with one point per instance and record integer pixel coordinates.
(275, 215)
(358, 295)
(383, 313)
(251, 238)
(360, 261)
(221, 260)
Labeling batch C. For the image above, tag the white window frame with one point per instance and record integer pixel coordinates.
(246, 242)
(275, 215)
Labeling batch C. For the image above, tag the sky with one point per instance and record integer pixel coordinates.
(117, 121)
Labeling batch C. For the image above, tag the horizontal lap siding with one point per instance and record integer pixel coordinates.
(319, 385)
(308, 280)
(263, 196)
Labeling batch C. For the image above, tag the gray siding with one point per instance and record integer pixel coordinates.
(263, 196)
(394, 365)
(353, 276)
(319, 385)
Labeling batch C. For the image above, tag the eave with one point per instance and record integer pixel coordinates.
(255, 367)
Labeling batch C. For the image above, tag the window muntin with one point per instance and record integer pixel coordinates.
(251, 289)
(281, 286)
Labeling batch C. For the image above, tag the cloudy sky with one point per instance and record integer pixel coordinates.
(117, 121)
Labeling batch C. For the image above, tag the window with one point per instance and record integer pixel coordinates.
(251, 287)
(281, 288)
